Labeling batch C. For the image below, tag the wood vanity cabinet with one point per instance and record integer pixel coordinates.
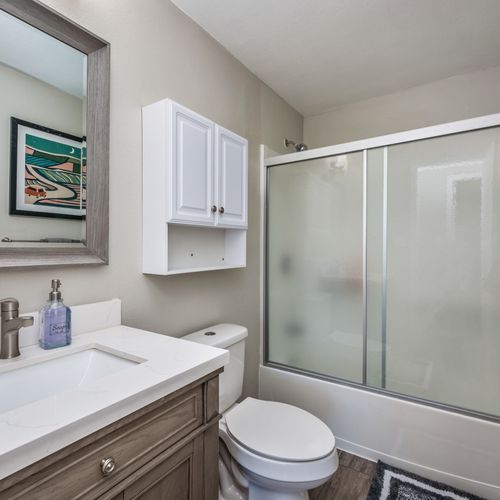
(165, 451)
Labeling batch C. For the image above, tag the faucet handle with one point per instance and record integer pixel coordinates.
(9, 304)
(27, 321)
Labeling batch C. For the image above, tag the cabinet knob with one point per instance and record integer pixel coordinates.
(108, 465)
(213, 209)
(221, 210)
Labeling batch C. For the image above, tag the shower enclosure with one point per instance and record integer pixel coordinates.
(383, 265)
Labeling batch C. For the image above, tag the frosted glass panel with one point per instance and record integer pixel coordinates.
(315, 266)
(443, 270)
(432, 275)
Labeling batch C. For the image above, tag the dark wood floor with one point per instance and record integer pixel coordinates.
(351, 481)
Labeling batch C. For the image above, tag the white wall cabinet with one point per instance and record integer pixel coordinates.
(231, 159)
(190, 166)
(195, 192)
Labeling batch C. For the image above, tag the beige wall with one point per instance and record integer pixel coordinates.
(157, 52)
(27, 98)
(456, 98)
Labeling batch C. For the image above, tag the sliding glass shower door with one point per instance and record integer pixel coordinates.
(443, 270)
(383, 269)
(315, 266)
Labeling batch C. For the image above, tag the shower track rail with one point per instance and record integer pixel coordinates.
(364, 145)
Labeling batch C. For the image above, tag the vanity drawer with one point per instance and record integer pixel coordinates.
(82, 474)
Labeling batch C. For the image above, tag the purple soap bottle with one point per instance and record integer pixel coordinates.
(55, 320)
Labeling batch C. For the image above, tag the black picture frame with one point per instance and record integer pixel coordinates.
(14, 167)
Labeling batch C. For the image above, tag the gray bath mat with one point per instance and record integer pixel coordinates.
(390, 483)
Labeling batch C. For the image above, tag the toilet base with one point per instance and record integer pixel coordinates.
(259, 493)
(263, 488)
(254, 492)
(229, 489)
(238, 483)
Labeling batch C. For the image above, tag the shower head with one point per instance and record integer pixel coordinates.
(298, 147)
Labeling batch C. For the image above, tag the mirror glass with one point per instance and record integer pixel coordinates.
(43, 84)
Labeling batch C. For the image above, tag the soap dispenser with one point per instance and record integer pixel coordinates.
(55, 320)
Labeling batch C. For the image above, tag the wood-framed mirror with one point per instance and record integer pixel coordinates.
(54, 139)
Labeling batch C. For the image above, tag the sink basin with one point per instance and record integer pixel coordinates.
(21, 386)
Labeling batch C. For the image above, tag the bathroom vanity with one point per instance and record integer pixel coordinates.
(129, 414)
(168, 450)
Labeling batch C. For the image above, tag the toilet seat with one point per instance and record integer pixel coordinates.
(279, 431)
(262, 417)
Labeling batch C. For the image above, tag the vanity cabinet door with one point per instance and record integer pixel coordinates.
(231, 160)
(179, 477)
(191, 173)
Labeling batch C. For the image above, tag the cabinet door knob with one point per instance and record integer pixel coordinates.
(213, 209)
(108, 465)
(221, 210)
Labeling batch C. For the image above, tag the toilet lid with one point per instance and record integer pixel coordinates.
(279, 431)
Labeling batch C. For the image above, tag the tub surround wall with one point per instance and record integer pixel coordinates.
(158, 52)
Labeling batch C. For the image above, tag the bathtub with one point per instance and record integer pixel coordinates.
(457, 449)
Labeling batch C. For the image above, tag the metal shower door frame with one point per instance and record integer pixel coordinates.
(363, 146)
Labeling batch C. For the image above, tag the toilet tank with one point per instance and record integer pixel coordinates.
(230, 337)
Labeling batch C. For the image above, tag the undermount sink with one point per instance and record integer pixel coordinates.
(24, 385)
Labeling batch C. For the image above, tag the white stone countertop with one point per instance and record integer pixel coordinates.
(33, 431)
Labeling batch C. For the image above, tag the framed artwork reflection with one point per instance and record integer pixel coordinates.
(48, 172)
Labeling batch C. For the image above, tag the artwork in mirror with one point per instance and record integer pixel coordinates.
(48, 172)
(54, 81)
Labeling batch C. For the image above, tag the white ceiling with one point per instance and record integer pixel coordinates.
(41, 56)
(319, 54)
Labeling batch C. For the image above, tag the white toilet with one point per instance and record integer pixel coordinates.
(271, 451)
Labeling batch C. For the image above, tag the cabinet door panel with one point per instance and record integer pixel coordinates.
(179, 477)
(231, 160)
(192, 167)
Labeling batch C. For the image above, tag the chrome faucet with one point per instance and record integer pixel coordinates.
(10, 325)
